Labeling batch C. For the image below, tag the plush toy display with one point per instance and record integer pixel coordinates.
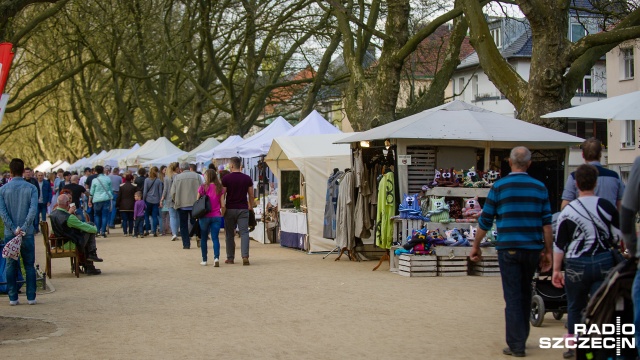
(410, 207)
(447, 178)
(438, 210)
(473, 180)
(472, 209)
(493, 176)
(455, 238)
(455, 210)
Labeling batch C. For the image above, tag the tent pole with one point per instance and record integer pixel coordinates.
(487, 157)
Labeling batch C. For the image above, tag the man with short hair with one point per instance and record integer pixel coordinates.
(100, 200)
(83, 235)
(520, 205)
(238, 192)
(139, 180)
(184, 191)
(77, 191)
(609, 187)
(116, 181)
(18, 209)
(83, 178)
(44, 199)
(66, 179)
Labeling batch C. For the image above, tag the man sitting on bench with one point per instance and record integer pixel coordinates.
(83, 235)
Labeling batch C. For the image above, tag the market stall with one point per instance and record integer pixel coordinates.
(116, 154)
(165, 160)
(159, 148)
(225, 149)
(206, 145)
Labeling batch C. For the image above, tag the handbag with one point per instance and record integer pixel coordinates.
(12, 248)
(201, 207)
(613, 249)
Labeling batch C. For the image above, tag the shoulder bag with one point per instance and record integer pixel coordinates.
(201, 207)
(613, 248)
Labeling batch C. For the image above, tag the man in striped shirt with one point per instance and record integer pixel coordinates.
(520, 206)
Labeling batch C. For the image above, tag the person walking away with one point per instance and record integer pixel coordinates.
(238, 189)
(210, 222)
(151, 195)
(44, 199)
(77, 192)
(520, 205)
(174, 221)
(126, 204)
(164, 220)
(116, 181)
(609, 187)
(55, 178)
(18, 209)
(184, 191)
(630, 207)
(142, 172)
(586, 226)
(138, 215)
(100, 200)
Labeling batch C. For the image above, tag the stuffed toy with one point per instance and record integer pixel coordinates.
(472, 180)
(438, 210)
(447, 178)
(493, 176)
(472, 209)
(437, 177)
(455, 210)
(492, 237)
(455, 238)
(410, 207)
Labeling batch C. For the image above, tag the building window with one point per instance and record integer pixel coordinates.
(497, 37)
(577, 32)
(461, 88)
(628, 138)
(586, 86)
(627, 63)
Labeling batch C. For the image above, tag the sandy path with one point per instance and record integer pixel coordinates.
(154, 300)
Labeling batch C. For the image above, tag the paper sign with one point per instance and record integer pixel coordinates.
(404, 159)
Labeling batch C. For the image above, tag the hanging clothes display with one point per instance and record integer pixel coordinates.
(330, 207)
(345, 227)
(386, 209)
(362, 209)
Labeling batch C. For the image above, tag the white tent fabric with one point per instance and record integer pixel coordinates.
(259, 143)
(161, 147)
(468, 125)
(54, 165)
(73, 165)
(64, 166)
(122, 161)
(313, 124)
(166, 160)
(206, 145)
(115, 155)
(623, 107)
(43, 167)
(315, 156)
(79, 165)
(226, 147)
(100, 156)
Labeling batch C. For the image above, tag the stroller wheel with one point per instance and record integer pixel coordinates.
(558, 315)
(537, 311)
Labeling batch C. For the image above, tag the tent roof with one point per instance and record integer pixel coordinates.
(623, 107)
(206, 145)
(116, 154)
(259, 143)
(84, 162)
(159, 148)
(122, 161)
(43, 167)
(313, 124)
(308, 146)
(467, 125)
(165, 160)
(229, 144)
(64, 166)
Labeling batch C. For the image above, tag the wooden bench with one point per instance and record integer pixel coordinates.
(55, 248)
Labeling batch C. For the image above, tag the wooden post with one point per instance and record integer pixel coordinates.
(487, 157)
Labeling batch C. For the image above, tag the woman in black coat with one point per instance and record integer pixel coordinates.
(126, 202)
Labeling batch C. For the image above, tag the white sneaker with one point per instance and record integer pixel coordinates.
(173, 238)
(14, 303)
(216, 262)
(204, 263)
(32, 302)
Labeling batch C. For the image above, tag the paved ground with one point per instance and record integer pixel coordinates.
(154, 300)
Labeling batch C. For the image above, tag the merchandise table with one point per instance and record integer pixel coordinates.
(293, 229)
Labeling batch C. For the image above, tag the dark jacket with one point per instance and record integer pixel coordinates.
(139, 181)
(60, 228)
(125, 196)
(46, 191)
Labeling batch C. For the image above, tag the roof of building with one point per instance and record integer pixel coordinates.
(520, 48)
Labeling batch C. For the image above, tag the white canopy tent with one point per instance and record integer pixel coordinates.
(206, 145)
(161, 147)
(43, 167)
(115, 155)
(53, 166)
(315, 156)
(166, 160)
(623, 107)
(259, 143)
(103, 154)
(313, 124)
(122, 161)
(64, 166)
(73, 165)
(79, 165)
(228, 145)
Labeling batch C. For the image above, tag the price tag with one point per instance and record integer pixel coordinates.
(404, 159)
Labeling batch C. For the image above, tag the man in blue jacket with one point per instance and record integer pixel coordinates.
(44, 199)
(18, 206)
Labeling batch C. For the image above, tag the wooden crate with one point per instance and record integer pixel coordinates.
(453, 266)
(402, 229)
(417, 265)
(488, 266)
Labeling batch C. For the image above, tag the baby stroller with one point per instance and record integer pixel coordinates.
(546, 298)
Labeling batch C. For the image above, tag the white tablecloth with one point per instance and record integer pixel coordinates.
(293, 229)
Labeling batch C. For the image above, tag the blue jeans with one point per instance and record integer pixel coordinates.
(127, 222)
(28, 255)
(112, 215)
(174, 221)
(40, 216)
(80, 214)
(101, 215)
(582, 277)
(152, 212)
(139, 229)
(185, 220)
(635, 293)
(517, 268)
(210, 225)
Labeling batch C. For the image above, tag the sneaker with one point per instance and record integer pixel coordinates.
(135, 236)
(216, 262)
(186, 247)
(569, 354)
(142, 235)
(508, 351)
(98, 236)
(14, 303)
(204, 263)
(94, 258)
(228, 261)
(155, 234)
(93, 271)
(245, 261)
(125, 235)
(146, 233)
(32, 302)
(104, 236)
(174, 238)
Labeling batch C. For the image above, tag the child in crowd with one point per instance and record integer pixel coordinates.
(138, 215)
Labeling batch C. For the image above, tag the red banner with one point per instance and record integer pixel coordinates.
(6, 58)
